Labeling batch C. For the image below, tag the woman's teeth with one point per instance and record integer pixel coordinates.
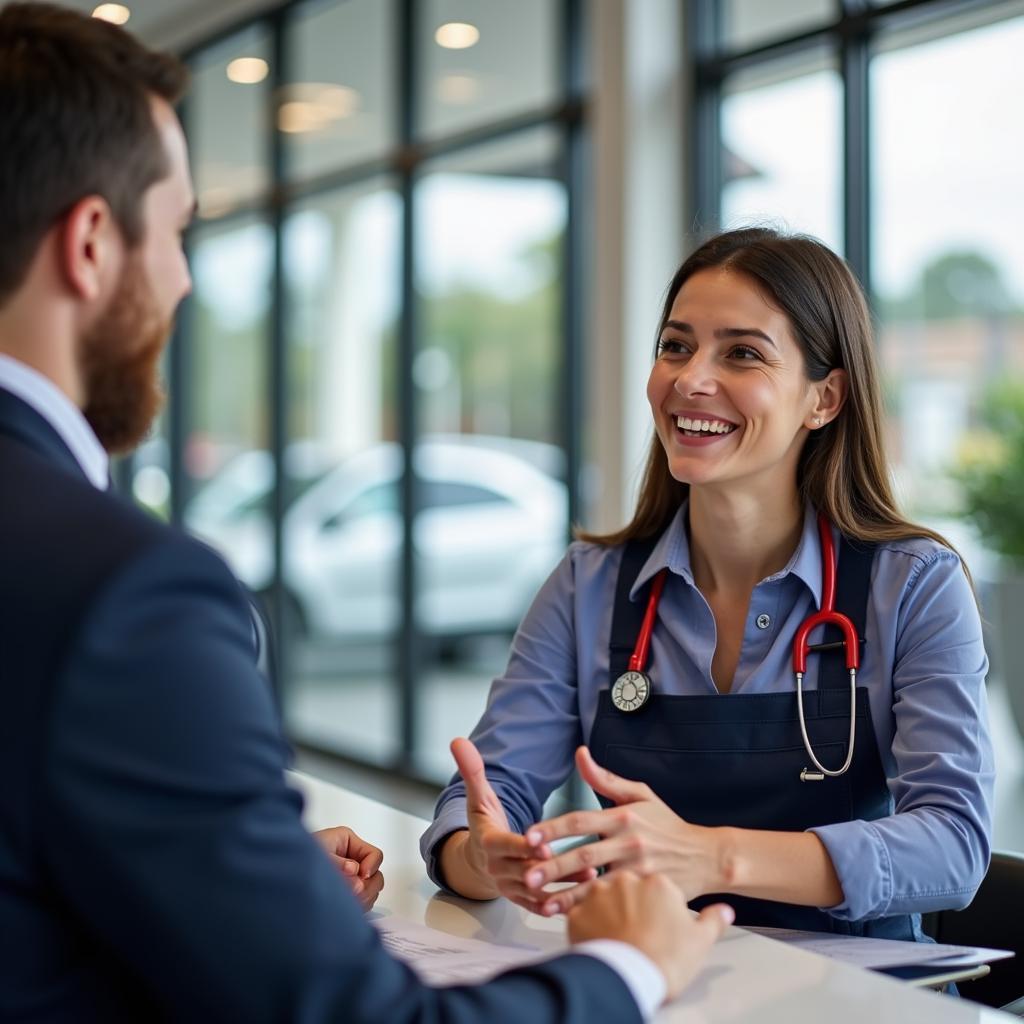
(697, 427)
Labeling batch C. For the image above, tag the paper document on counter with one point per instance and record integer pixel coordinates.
(878, 954)
(442, 959)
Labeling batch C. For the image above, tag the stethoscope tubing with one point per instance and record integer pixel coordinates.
(826, 615)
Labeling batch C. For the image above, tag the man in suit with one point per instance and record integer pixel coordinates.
(153, 864)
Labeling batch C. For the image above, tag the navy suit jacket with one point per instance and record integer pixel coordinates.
(153, 864)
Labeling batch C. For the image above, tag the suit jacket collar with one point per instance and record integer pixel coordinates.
(18, 420)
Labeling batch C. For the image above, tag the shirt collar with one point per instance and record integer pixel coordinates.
(672, 552)
(39, 392)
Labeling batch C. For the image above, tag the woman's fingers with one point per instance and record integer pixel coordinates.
(500, 843)
(608, 784)
(564, 900)
(479, 795)
(583, 858)
(575, 823)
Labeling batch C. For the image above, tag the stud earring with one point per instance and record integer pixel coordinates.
(817, 421)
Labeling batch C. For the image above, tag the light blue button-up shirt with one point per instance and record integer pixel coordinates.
(923, 664)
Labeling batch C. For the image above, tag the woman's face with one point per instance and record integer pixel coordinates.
(731, 399)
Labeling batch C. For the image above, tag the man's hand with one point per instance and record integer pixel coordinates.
(650, 914)
(640, 833)
(489, 859)
(358, 861)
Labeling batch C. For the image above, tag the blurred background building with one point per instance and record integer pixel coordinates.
(433, 240)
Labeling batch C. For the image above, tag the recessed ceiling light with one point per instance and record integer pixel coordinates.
(457, 35)
(117, 14)
(248, 70)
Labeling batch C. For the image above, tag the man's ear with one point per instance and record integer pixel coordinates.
(830, 395)
(90, 248)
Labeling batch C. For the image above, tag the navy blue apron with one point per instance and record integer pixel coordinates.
(735, 759)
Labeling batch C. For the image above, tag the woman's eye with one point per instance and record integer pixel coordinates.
(745, 352)
(671, 347)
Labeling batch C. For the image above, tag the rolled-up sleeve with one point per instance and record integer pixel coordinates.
(531, 725)
(932, 852)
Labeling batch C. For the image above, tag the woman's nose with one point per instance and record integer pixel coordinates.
(696, 377)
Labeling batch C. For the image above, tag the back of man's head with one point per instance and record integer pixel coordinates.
(75, 120)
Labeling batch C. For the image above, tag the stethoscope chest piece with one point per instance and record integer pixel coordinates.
(631, 691)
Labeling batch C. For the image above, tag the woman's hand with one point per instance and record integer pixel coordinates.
(489, 859)
(640, 833)
(358, 861)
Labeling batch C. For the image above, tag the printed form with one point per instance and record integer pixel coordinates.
(442, 959)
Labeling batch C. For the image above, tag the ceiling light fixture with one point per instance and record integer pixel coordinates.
(116, 14)
(457, 35)
(248, 70)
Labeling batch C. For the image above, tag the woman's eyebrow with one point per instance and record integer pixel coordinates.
(723, 332)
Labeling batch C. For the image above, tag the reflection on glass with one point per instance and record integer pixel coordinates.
(226, 122)
(948, 255)
(228, 468)
(150, 471)
(748, 23)
(338, 107)
(343, 527)
(484, 61)
(492, 518)
(781, 137)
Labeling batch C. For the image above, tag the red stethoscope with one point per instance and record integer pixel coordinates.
(632, 689)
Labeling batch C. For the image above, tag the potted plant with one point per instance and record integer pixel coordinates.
(992, 476)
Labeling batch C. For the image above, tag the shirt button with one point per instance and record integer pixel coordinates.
(764, 621)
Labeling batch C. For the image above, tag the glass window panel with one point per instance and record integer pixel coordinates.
(226, 122)
(484, 60)
(148, 469)
(782, 143)
(150, 472)
(343, 526)
(338, 108)
(748, 23)
(947, 256)
(493, 518)
(228, 468)
(948, 279)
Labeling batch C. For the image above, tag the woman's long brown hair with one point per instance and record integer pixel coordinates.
(843, 470)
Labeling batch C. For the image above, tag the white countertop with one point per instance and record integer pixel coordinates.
(747, 977)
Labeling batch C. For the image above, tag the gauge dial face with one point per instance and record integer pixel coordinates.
(631, 691)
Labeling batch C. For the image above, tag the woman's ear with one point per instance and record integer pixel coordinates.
(830, 394)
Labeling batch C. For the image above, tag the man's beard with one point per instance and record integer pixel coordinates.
(119, 363)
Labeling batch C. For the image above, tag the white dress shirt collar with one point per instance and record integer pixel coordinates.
(38, 391)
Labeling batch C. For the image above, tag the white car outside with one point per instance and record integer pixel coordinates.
(491, 527)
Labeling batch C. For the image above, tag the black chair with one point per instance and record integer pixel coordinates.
(994, 919)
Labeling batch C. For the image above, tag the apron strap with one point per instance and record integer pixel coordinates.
(628, 616)
(853, 587)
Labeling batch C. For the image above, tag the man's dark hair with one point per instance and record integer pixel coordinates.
(75, 121)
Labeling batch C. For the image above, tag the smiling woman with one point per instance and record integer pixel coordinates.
(728, 390)
(667, 646)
